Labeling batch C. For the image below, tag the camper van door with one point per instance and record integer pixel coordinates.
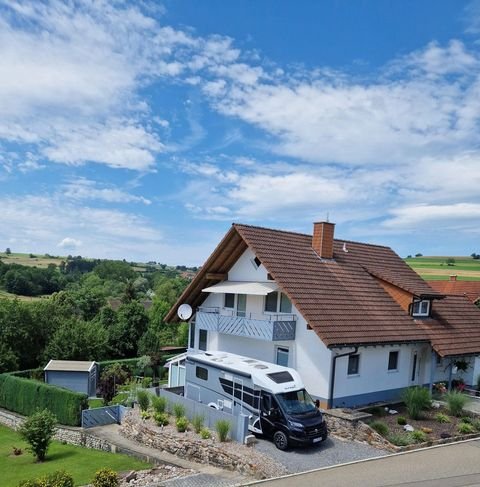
(269, 414)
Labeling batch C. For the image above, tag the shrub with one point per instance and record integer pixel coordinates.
(455, 402)
(223, 427)
(145, 414)
(205, 434)
(182, 424)
(466, 419)
(55, 479)
(178, 410)
(476, 424)
(380, 427)
(400, 439)
(159, 404)
(418, 436)
(143, 398)
(38, 430)
(401, 420)
(105, 478)
(442, 418)
(416, 399)
(465, 428)
(161, 419)
(26, 396)
(197, 423)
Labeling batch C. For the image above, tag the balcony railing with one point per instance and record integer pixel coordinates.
(271, 327)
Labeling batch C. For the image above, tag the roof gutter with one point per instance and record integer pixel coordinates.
(332, 374)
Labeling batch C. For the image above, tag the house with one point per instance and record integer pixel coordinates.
(470, 289)
(353, 319)
(76, 375)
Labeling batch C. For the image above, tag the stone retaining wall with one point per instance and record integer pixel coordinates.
(72, 436)
(350, 426)
(230, 456)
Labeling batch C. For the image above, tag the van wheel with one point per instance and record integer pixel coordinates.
(280, 439)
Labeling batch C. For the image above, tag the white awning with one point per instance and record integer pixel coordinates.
(258, 288)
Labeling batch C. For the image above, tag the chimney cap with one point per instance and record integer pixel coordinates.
(322, 222)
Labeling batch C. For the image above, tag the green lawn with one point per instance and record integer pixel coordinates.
(81, 463)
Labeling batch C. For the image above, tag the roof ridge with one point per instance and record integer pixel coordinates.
(291, 232)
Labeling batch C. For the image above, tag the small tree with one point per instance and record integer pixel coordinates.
(113, 376)
(450, 261)
(8, 251)
(37, 431)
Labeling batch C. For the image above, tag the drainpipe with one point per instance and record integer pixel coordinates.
(433, 363)
(450, 376)
(332, 375)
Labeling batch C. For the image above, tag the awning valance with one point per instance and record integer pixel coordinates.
(237, 287)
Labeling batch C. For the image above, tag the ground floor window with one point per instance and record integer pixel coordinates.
(393, 360)
(282, 356)
(202, 340)
(353, 364)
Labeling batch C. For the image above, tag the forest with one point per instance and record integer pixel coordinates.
(88, 310)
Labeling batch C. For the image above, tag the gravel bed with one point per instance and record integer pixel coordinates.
(330, 452)
(154, 476)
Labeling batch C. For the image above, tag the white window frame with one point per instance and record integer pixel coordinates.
(277, 312)
(420, 302)
(356, 374)
(284, 349)
(388, 361)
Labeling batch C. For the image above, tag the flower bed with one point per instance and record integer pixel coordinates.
(435, 425)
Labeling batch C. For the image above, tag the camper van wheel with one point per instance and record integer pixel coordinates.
(280, 439)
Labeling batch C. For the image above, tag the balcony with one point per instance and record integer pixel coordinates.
(270, 327)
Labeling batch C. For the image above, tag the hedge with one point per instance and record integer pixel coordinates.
(26, 396)
(36, 374)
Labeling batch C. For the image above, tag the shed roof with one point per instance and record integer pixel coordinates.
(70, 365)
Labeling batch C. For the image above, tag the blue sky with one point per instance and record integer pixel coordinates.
(143, 130)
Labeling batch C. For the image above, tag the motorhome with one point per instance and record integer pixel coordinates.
(272, 396)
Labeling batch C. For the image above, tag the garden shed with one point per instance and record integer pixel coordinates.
(76, 375)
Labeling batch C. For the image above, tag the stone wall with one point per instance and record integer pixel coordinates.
(349, 425)
(72, 436)
(230, 455)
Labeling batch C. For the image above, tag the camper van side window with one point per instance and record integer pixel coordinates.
(201, 373)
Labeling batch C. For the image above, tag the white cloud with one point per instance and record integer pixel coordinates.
(84, 189)
(70, 243)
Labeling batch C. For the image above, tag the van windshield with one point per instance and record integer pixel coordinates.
(296, 402)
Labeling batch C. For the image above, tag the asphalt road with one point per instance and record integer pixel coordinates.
(451, 465)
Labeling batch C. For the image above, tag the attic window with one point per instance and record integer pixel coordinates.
(256, 262)
(421, 308)
(269, 277)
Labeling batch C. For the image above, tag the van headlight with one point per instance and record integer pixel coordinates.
(295, 424)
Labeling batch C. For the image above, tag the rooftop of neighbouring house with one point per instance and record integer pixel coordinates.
(339, 287)
(471, 289)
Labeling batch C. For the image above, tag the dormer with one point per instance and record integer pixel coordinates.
(420, 308)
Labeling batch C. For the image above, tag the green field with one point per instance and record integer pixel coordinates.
(25, 259)
(436, 268)
(81, 463)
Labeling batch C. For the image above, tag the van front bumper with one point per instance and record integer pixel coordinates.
(310, 436)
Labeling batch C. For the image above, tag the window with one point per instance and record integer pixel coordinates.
(282, 356)
(229, 300)
(202, 340)
(271, 302)
(257, 262)
(285, 304)
(277, 303)
(192, 335)
(393, 360)
(439, 360)
(201, 373)
(421, 308)
(353, 364)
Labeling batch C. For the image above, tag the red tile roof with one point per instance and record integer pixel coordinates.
(342, 299)
(471, 289)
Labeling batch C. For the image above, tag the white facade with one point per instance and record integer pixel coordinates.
(313, 360)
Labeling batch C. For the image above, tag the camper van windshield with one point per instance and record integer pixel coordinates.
(296, 402)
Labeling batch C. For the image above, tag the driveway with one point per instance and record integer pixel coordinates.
(331, 452)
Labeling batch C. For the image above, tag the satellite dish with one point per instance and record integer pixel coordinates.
(184, 311)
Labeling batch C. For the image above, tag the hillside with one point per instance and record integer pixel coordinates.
(437, 268)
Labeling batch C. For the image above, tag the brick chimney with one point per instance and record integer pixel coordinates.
(322, 241)
(453, 277)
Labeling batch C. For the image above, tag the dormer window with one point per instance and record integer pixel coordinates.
(256, 262)
(421, 308)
